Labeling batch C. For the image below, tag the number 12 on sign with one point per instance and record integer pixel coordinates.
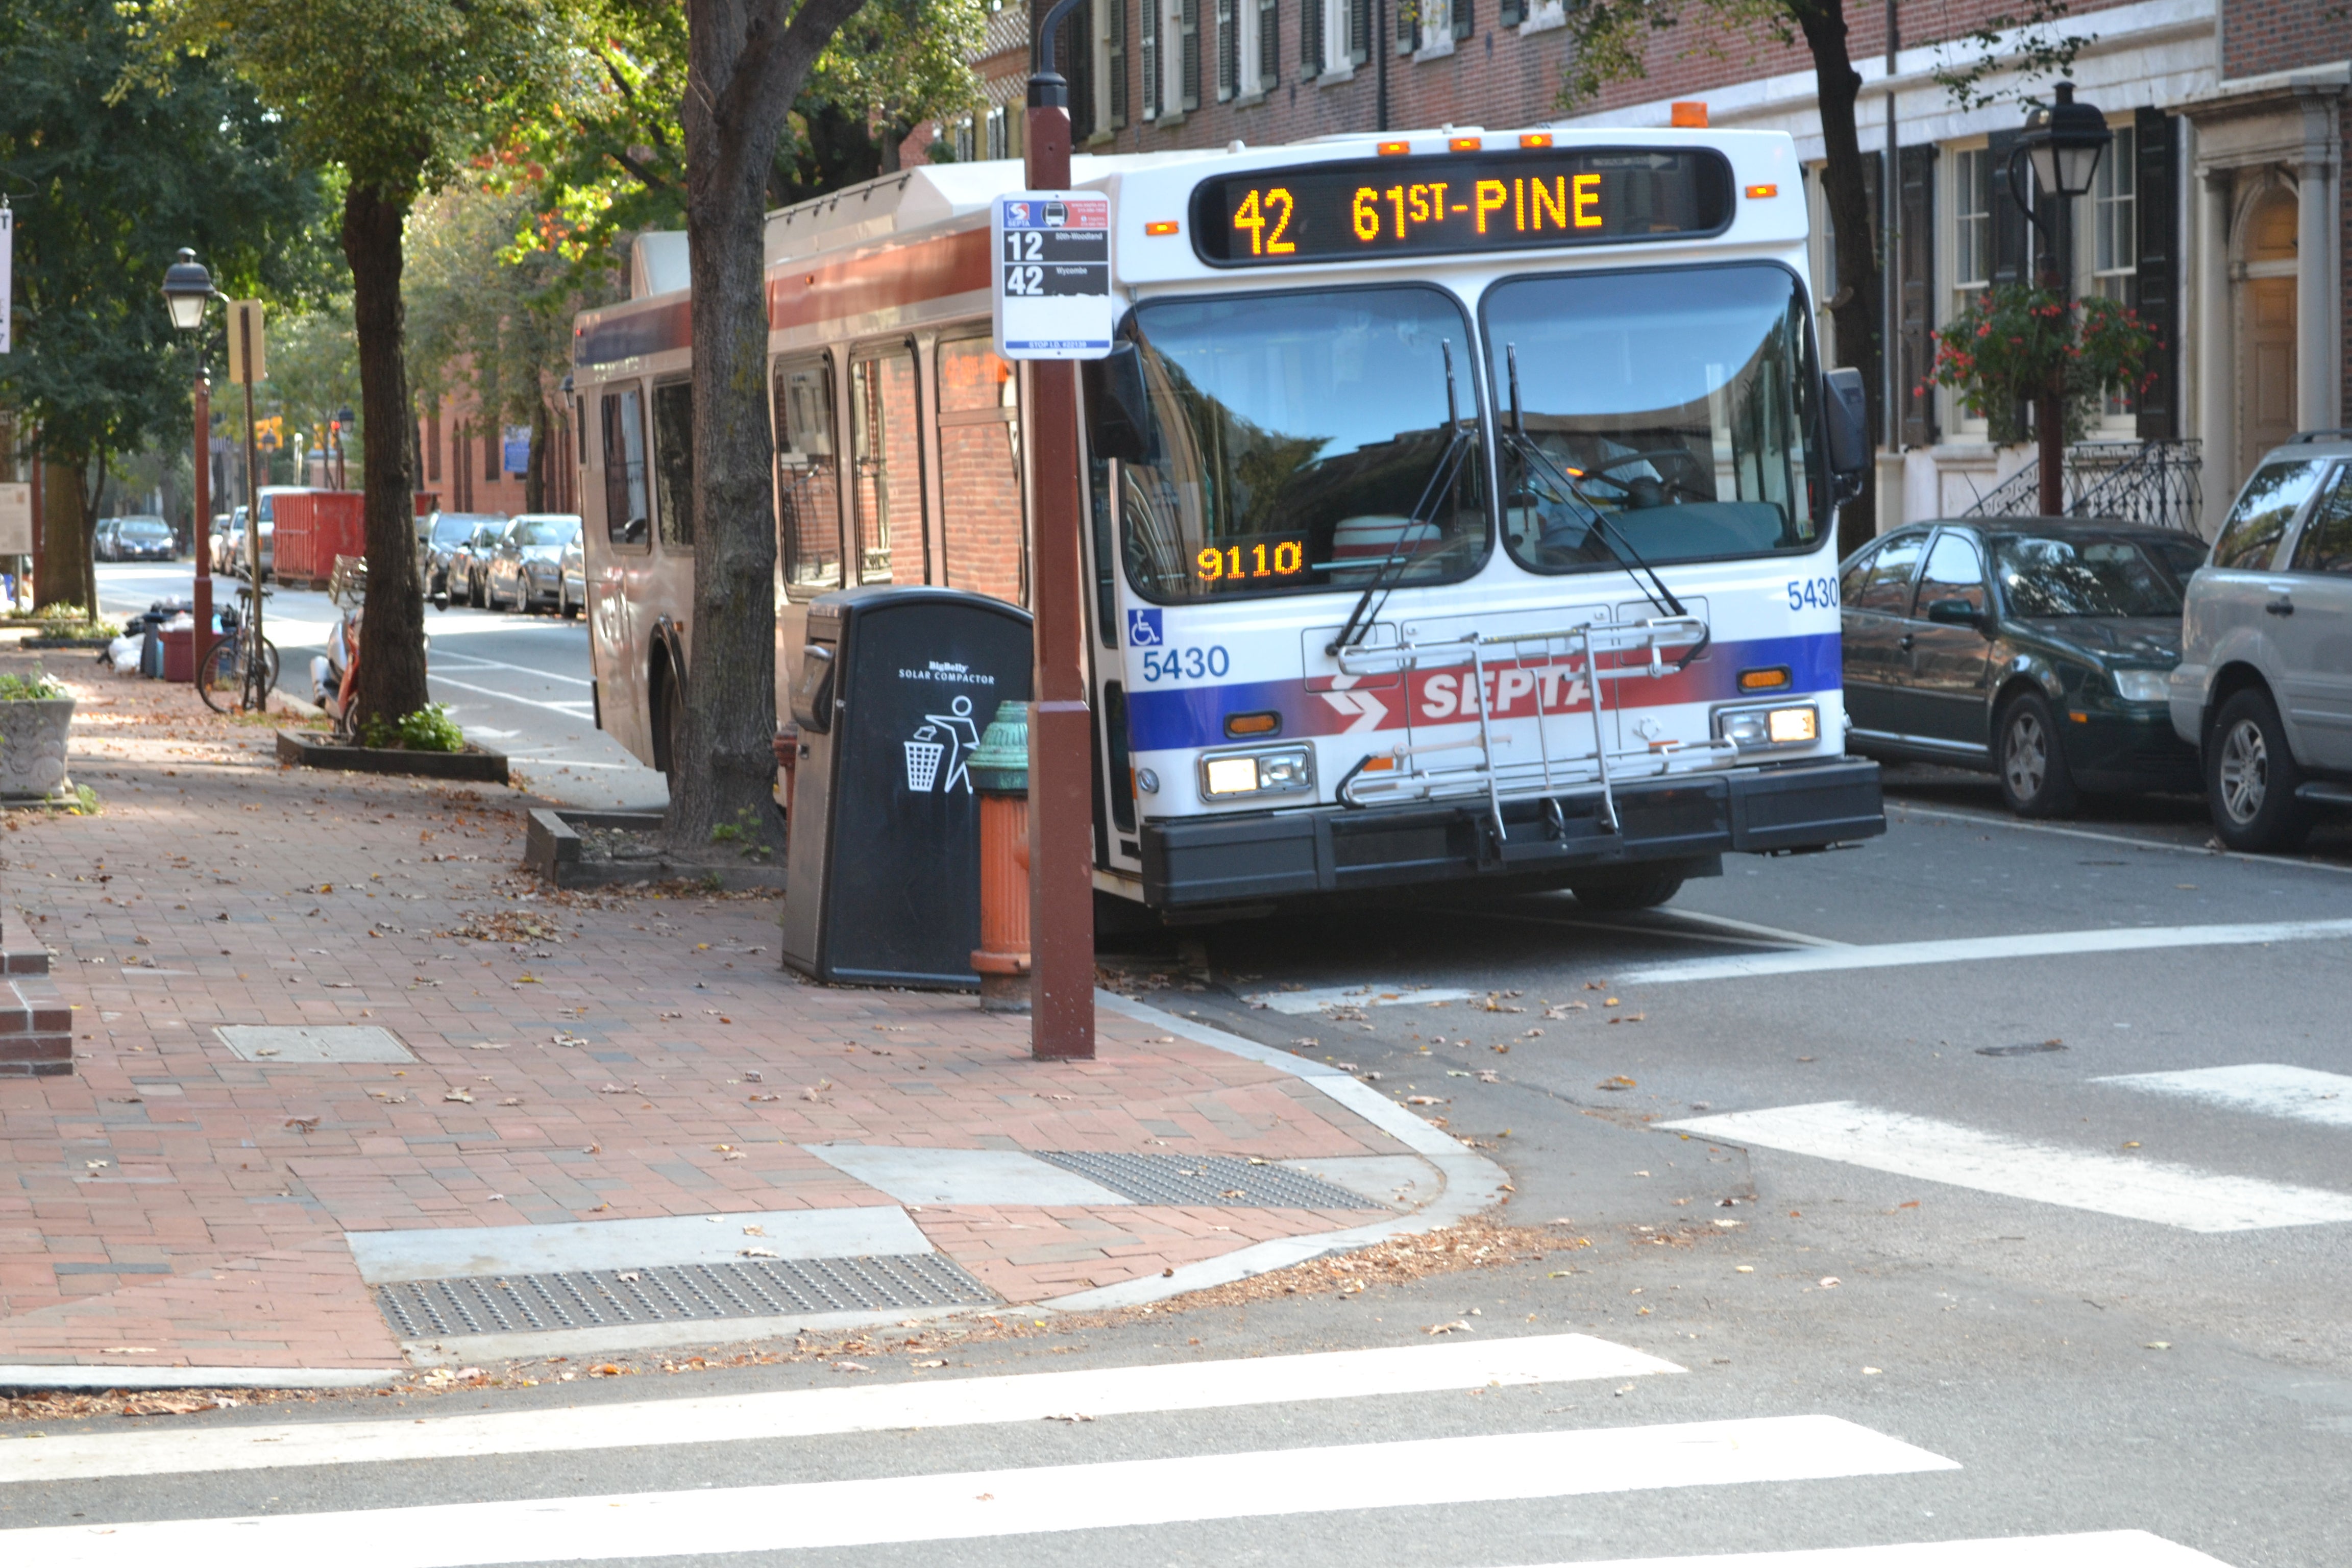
(1051, 274)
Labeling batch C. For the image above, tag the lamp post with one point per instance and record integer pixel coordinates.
(2064, 139)
(187, 290)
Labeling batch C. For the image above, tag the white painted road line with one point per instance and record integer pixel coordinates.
(1972, 949)
(2266, 1088)
(982, 1503)
(2099, 1549)
(475, 661)
(1932, 1151)
(1297, 1003)
(571, 709)
(819, 1412)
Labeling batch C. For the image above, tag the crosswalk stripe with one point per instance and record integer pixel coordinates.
(954, 1402)
(1976, 948)
(1958, 1156)
(980, 1503)
(2096, 1548)
(2266, 1088)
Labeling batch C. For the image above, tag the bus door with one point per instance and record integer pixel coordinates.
(1119, 837)
(808, 505)
(622, 559)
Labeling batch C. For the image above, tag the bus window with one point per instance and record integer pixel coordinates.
(1665, 412)
(674, 462)
(808, 476)
(979, 470)
(626, 513)
(889, 480)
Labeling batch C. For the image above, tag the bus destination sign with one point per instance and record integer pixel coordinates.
(1461, 203)
(1051, 274)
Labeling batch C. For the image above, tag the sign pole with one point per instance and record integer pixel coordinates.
(200, 601)
(1061, 736)
(256, 696)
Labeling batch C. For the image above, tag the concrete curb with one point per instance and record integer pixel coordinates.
(1473, 1182)
(99, 1379)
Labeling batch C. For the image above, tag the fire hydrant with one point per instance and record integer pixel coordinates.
(1000, 773)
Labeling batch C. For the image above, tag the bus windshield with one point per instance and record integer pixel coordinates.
(1295, 439)
(1663, 412)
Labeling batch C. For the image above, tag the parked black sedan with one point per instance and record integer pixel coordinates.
(136, 539)
(2032, 648)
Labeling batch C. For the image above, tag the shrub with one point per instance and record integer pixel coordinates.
(38, 687)
(430, 729)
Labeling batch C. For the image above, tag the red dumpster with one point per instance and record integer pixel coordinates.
(314, 528)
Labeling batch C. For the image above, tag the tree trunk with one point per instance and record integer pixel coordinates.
(534, 473)
(65, 575)
(392, 634)
(744, 68)
(1856, 306)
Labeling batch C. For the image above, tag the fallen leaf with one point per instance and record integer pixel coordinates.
(1459, 1325)
(759, 1252)
(851, 1366)
(461, 1096)
(1616, 1085)
(1829, 1282)
(927, 1365)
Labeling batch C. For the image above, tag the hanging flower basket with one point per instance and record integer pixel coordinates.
(1999, 352)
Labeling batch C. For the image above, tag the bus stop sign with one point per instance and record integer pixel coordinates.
(1051, 274)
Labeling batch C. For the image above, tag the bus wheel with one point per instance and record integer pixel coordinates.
(1632, 890)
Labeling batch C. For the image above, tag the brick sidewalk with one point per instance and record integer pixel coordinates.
(580, 1058)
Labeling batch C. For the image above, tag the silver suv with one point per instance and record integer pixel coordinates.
(2264, 688)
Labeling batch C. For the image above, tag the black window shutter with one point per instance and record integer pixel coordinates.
(1916, 350)
(1464, 16)
(1188, 56)
(1360, 31)
(1269, 45)
(1310, 40)
(2010, 229)
(1229, 53)
(2156, 288)
(1510, 13)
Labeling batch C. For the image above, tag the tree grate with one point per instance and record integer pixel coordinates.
(1206, 1181)
(670, 1293)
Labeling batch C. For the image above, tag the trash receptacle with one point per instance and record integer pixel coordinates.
(894, 687)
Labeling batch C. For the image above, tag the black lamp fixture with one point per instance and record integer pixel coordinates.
(2065, 139)
(187, 290)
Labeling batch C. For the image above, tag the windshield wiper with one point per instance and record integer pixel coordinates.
(1611, 537)
(1441, 480)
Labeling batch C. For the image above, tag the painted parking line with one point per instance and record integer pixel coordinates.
(975, 1504)
(821, 1412)
(2096, 1548)
(1980, 949)
(1928, 1149)
(2265, 1089)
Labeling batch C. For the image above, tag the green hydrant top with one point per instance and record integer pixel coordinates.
(1000, 765)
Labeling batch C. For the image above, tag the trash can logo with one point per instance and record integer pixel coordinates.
(938, 753)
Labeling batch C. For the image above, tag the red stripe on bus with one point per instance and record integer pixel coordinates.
(880, 280)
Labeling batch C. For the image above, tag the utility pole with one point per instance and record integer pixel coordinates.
(255, 697)
(1890, 264)
(1061, 736)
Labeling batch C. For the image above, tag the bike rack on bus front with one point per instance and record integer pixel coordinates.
(1575, 649)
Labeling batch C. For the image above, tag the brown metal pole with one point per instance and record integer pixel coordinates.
(1061, 773)
(200, 530)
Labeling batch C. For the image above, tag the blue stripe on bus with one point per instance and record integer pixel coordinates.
(1191, 717)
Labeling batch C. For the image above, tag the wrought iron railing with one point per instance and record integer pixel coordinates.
(2152, 482)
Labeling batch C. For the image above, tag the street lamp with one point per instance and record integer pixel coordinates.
(2064, 139)
(187, 290)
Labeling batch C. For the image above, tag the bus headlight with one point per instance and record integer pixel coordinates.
(1756, 729)
(1283, 769)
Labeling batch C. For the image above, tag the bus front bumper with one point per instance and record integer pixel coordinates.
(1332, 849)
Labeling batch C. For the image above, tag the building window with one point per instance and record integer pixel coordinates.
(1000, 133)
(1972, 198)
(966, 147)
(2114, 248)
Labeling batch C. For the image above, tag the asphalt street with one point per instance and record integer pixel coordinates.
(1986, 1181)
(516, 682)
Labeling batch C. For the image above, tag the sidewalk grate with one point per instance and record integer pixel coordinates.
(596, 1297)
(282, 1045)
(1210, 1181)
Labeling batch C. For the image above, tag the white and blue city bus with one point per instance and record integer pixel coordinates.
(1462, 504)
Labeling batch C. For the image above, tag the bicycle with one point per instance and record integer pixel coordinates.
(230, 672)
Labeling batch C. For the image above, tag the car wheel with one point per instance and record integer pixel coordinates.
(473, 595)
(571, 611)
(2250, 777)
(2031, 758)
(1639, 890)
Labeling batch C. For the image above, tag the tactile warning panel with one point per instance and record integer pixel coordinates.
(1209, 1181)
(338, 1043)
(588, 1298)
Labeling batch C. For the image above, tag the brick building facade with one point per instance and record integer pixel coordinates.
(2220, 213)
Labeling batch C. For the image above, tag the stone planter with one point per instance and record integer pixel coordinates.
(33, 748)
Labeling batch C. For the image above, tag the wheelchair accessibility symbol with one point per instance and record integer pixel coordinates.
(1143, 629)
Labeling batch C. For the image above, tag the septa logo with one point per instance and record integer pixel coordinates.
(1143, 629)
(1016, 214)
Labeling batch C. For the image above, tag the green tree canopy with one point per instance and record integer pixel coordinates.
(106, 192)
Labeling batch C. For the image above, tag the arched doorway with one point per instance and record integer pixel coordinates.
(2266, 311)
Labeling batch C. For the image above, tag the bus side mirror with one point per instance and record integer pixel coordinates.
(1119, 410)
(1845, 405)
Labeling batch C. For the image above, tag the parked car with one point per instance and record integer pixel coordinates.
(137, 539)
(2264, 689)
(440, 537)
(469, 562)
(572, 568)
(2037, 650)
(216, 545)
(527, 567)
(235, 561)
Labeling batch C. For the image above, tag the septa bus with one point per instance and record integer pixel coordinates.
(1462, 506)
